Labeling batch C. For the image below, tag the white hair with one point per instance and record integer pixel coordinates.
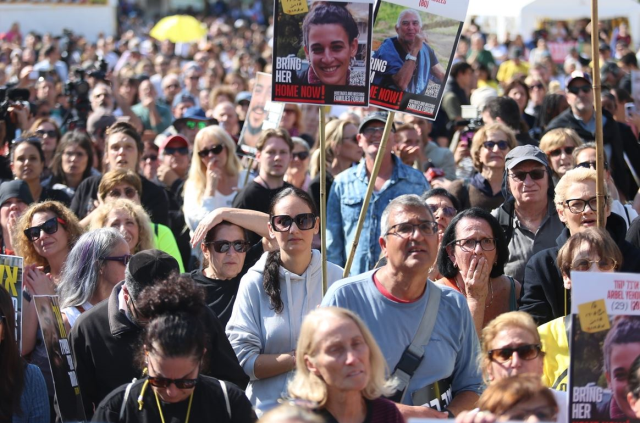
(406, 11)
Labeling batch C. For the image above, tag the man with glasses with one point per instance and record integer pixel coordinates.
(581, 117)
(347, 193)
(392, 301)
(528, 215)
(104, 338)
(192, 75)
(544, 296)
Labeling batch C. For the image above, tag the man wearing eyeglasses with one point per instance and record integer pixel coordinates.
(581, 117)
(544, 296)
(528, 216)
(347, 193)
(104, 338)
(392, 301)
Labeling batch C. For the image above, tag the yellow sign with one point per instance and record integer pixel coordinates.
(8, 279)
(294, 7)
(593, 316)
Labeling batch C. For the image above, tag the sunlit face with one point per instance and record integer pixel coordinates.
(512, 338)
(349, 148)
(297, 165)
(584, 251)
(172, 368)
(439, 205)
(175, 160)
(529, 191)
(407, 146)
(27, 163)
(226, 115)
(225, 265)
(531, 410)
(294, 241)
(583, 101)
(218, 161)
(329, 52)
(563, 162)
(370, 141)
(519, 94)
(126, 224)
(577, 222)
(261, 92)
(341, 357)
(494, 158)
(112, 271)
(44, 132)
(408, 28)
(122, 152)
(12, 209)
(274, 158)
(477, 229)
(622, 356)
(50, 245)
(74, 160)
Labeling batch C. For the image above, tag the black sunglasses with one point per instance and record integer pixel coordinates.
(283, 222)
(302, 155)
(122, 259)
(163, 382)
(489, 145)
(576, 90)
(591, 165)
(525, 352)
(50, 134)
(183, 151)
(558, 151)
(216, 149)
(535, 174)
(446, 211)
(224, 246)
(49, 227)
(151, 157)
(128, 192)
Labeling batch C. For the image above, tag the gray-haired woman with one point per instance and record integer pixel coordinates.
(84, 284)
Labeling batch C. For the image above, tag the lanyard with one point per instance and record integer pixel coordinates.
(160, 407)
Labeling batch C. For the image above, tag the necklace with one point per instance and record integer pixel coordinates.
(160, 407)
(455, 279)
(264, 182)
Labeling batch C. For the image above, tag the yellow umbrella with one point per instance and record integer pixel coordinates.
(179, 29)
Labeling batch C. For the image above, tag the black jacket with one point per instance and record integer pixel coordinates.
(154, 199)
(105, 344)
(611, 136)
(543, 288)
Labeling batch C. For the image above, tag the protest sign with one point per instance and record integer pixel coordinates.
(321, 52)
(11, 280)
(61, 361)
(413, 46)
(604, 341)
(262, 114)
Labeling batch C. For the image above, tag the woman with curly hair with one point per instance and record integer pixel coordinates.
(129, 219)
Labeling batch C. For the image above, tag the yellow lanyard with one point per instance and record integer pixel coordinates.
(160, 407)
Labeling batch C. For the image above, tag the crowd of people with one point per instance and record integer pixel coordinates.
(190, 279)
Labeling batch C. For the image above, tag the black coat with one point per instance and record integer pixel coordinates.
(105, 344)
(543, 288)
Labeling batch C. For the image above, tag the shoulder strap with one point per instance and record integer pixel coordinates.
(414, 353)
(226, 397)
(126, 397)
(513, 305)
(155, 227)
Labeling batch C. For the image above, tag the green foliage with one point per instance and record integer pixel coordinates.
(289, 37)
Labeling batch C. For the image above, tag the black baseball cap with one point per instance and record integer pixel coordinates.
(375, 117)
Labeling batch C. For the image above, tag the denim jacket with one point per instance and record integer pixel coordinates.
(343, 209)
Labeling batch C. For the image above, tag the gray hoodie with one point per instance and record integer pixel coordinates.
(255, 328)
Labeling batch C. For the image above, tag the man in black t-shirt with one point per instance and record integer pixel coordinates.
(274, 154)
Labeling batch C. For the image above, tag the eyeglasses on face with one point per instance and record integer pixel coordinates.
(536, 86)
(542, 414)
(302, 155)
(578, 205)
(525, 352)
(215, 150)
(224, 246)
(183, 151)
(470, 244)
(446, 211)
(576, 90)
(163, 382)
(283, 222)
(42, 133)
(591, 165)
(558, 151)
(128, 192)
(152, 157)
(583, 265)
(49, 227)
(193, 124)
(406, 229)
(489, 145)
(372, 130)
(520, 175)
(124, 259)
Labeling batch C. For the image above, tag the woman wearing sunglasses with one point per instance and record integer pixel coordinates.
(48, 131)
(558, 144)
(444, 207)
(214, 178)
(471, 259)
(489, 147)
(94, 266)
(511, 348)
(298, 170)
(592, 250)
(173, 356)
(275, 295)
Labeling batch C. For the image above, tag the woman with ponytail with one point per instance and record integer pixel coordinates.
(275, 295)
(173, 358)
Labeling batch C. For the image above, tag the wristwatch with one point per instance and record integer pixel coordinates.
(409, 56)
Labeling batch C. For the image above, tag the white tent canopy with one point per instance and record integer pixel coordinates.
(521, 16)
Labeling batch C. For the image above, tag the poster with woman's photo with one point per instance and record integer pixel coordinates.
(11, 280)
(412, 52)
(321, 52)
(65, 382)
(604, 373)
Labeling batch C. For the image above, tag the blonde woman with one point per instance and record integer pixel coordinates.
(340, 368)
(559, 144)
(129, 219)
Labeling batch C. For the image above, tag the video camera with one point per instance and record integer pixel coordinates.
(14, 98)
(99, 74)
(471, 120)
(78, 92)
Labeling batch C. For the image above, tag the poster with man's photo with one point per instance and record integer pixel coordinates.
(11, 280)
(65, 382)
(605, 347)
(413, 45)
(262, 114)
(321, 52)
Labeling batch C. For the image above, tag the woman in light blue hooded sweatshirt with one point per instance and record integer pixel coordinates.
(274, 297)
